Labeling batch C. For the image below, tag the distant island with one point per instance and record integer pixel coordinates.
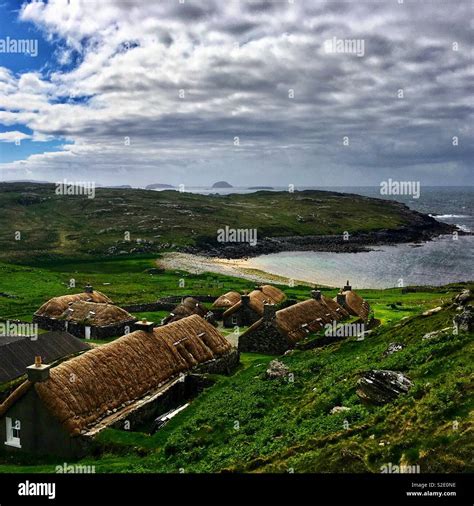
(260, 188)
(222, 184)
(157, 186)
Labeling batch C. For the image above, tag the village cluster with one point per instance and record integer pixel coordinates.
(65, 389)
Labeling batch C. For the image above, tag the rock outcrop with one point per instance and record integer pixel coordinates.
(277, 369)
(464, 322)
(381, 386)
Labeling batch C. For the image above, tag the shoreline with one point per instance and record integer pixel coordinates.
(199, 264)
(329, 272)
(427, 230)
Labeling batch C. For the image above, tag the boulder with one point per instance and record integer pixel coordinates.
(436, 333)
(432, 311)
(339, 409)
(381, 386)
(464, 297)
(277, 369)
(464, 321)
(392, 348)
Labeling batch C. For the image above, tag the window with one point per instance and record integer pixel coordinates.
(13, 432)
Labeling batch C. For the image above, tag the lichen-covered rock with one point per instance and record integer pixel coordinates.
(393, 348)
(339, 409)
(277, 369)
(436, 333)
(381, 386)
(464, 297)
(464, 321)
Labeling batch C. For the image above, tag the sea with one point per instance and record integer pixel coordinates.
(447, 259)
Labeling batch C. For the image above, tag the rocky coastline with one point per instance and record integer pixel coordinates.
(424, 228)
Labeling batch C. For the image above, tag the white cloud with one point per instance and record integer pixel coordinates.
(236, 62)
(13, 136)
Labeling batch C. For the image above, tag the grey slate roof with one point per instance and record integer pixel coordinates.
(17, 354)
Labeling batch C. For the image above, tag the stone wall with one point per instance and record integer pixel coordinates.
(244, 317)
(264, 339)
(149, 306)
(222, 365)
(178, 393)
(78, 329)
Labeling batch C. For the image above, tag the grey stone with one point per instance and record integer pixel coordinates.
(382, 386)
(393, 348)
(339, 409)
(277, 369)
(464, 321)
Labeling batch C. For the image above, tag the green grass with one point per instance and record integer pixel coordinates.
(247, 423)
(124, 280)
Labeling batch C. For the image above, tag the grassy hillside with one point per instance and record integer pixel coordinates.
(249, 423)
(52, 225)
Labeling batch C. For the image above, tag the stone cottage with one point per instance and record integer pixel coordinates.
(188, 307)
(224, 302)
(249, 308)
(88, 315)
(132, 380)
(92, 320)
(279, 330)
(353, 303)
(48, 314)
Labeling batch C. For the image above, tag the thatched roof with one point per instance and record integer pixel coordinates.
(273, 293)
(265, 294)
(16, 356)
(309, 316)
(96, 314)
(86, 389)
(227, 300)
(356, 305)
(188, 307)
(56, 306)
(303, 318)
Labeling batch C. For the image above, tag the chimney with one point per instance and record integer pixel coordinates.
(341, 299)
(144, 325)
(38, 372)
(269, 311)
(316, 294)
(245, 300)
(348, 287)
(88, 288)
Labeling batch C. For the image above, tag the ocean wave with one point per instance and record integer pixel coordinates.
(450, 215)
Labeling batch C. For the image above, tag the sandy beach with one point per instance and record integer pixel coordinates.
(198, 264)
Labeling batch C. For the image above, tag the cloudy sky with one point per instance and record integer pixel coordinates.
(190, 92)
